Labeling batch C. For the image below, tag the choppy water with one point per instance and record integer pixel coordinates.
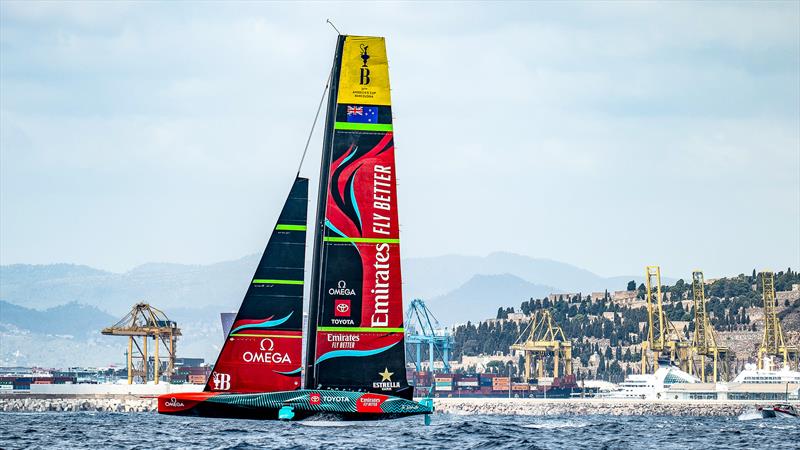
(144, 430)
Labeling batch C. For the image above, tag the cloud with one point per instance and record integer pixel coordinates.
(572, 131)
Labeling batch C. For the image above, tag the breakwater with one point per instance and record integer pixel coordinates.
(580, 407)
(465, 406)
(109, 403)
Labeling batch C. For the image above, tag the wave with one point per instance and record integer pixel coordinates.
(556, 425)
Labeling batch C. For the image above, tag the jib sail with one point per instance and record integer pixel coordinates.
(262, 352)
(356, 297)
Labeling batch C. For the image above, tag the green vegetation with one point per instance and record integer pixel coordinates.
(583, 321)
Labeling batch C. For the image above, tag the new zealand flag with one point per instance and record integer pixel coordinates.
(362, 114)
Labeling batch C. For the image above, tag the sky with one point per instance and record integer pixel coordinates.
(609, 135)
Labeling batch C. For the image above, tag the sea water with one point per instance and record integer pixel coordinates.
(150, 430)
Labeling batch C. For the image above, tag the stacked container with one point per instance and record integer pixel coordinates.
(500, 383)
(443, 383)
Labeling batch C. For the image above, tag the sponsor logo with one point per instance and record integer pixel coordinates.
(364, 78)
(335, 399)
(266, 357)
(370, 403)
(222, 381)
(381, 200)
(173, 402)
(314, 399)
(269, 343)
(343, 341)
(341, 307)
(386, 381)
(341, 289)
(343, 338)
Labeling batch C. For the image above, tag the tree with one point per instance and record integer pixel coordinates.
(632, 285)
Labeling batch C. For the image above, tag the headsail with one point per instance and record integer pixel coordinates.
(356, 317)
(263, 350)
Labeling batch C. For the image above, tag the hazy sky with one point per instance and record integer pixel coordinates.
(606, 135)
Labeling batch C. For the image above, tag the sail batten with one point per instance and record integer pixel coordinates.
(356, 316)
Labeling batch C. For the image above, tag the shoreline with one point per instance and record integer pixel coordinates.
(583, 407)
(459, 406)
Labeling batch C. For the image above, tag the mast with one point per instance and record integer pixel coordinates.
(319, 226)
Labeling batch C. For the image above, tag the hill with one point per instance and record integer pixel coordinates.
(436, 276)
(223, 284)
(478, 298)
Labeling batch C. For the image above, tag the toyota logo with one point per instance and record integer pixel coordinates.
(342, 307)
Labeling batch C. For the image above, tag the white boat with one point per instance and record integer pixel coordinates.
(650, 386)
(768, 375)
(780, 410)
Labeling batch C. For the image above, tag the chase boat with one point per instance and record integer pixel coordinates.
(778, 410)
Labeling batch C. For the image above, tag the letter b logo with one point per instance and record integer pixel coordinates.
(222, 381)
(364, 76)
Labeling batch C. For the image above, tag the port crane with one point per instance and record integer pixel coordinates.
(773, 343)
(542, 337)
(141, 324)
(704, 340)
(421, 326)
(663, 338)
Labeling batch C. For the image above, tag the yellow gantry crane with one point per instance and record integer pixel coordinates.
(773, 343)
(704, 341)
(141, 324)
(663, 339)
(541, 337)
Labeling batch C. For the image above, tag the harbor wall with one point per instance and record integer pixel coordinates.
(578, 407)
(464, 406)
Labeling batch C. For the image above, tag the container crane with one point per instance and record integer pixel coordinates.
(421, 326)
(663, 339)
(541, 337)
(140, 325)
(704, 341)
(773, 343)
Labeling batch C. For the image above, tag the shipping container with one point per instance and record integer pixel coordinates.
(487, 379)
(197, 379)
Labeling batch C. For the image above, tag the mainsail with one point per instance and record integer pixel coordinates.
(356, 314)
(262, 352)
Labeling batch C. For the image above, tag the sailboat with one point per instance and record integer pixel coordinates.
(353, 362)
